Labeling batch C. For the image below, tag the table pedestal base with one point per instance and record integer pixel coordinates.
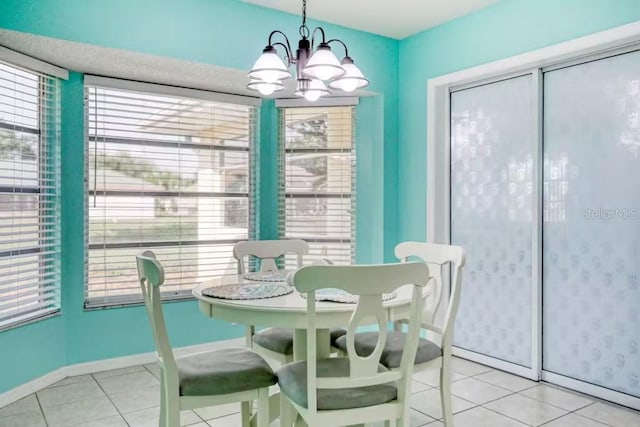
(323, 344)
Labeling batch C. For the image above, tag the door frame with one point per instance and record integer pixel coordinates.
(594, 46)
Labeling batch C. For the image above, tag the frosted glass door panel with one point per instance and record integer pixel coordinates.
(491, 216)
(591, 250)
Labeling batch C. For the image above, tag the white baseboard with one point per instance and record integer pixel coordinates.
(53, 377)
(496, 363)
(593, 390)
(32, 386)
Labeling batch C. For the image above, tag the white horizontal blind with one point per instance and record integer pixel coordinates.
(166, 173)
(317, 173)
(29, 189)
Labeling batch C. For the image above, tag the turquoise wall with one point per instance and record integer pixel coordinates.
(226, 33)
(391, 143)
(30, 351)
(505, 29)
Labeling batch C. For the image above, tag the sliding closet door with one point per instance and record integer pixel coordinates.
(492, 201)
(591, 229)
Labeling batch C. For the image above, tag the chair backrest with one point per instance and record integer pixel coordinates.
(369, 282)
(437, 256)
(268, 251)
(151, 277)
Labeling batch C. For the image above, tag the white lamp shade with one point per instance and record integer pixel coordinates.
(316, 89)
(269, 67)
(352, 79)
(323, 65)
(265, 88)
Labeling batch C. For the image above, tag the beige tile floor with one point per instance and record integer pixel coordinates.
(483, 397)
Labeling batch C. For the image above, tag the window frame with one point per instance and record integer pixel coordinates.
(283, 151)
(47, 191)
(92, 303)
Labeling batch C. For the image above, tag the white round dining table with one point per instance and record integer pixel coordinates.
(290, 311)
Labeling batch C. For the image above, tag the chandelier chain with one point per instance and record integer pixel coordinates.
(304, 30)
(304, 12)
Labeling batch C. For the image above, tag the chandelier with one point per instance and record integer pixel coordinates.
(313, 70)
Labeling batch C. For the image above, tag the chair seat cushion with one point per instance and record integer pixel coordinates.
(280, 340)
(391, 356)
(292, 379)
(223, 371)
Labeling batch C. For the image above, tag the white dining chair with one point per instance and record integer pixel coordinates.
(272, 343)
(434, 352)
(341, 391)
(267, 253)
(235, 374)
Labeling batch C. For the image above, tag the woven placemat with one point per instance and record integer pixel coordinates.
(240, 291)
(339, 295)
(268, 276)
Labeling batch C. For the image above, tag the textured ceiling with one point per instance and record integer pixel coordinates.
(102, 61)
(392, 18)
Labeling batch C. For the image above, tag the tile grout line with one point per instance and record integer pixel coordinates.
(575, 411)
(511, 393)
(112, 402)
(500, 413)
(567, 412)
(572, 412)
(537, 384)
(593, 400)
(201, 420)
(46, 423)
(507, 416)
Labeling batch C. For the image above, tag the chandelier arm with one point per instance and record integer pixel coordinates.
(346, 51)
(314, 33)
(290, 59)
(284, 36)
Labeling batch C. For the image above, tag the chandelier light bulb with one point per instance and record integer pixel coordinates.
(311, 90)
(265, 88)
(323, 64)
(312, 95)
(348, 85)
(352, 79)
(269, 67)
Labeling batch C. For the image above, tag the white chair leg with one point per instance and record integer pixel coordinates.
(169, 408)
(404, 420)
(163, 405)
(245, 414)
(263, 407)
(445, 392)
(286, 416)
(172, 412)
